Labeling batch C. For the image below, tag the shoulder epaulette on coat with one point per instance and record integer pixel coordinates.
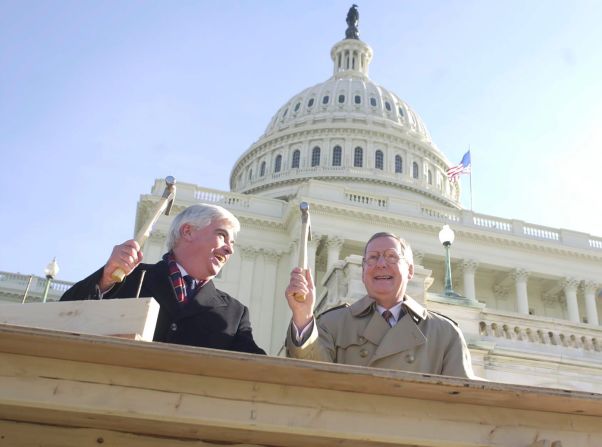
(445, 316)
(340, 306)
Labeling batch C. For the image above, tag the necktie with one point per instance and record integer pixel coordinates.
(388, 316)
(189, 281)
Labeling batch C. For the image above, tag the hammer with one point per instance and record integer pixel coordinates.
(165, 204)
(305, 236)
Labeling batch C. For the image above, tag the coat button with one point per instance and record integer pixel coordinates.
(364, 353)
(173, 327)
(410, 358)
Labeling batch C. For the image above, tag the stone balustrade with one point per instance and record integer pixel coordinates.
(537, 333)
(275, 208)
(13, 287)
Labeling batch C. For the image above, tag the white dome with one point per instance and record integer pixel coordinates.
(347, 129)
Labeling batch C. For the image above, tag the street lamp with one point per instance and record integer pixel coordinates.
(50, 271)
(447, 236)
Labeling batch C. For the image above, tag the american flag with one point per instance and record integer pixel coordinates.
(454, 172)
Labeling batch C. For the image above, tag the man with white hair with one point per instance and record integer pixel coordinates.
(192, 311)
(384, 329)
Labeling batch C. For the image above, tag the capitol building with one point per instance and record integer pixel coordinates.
(527, 297)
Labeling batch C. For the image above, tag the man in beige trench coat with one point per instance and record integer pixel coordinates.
(384, 329)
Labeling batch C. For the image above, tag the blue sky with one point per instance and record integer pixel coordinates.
(100, 98)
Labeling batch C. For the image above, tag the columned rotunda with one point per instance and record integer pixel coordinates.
(528, 296)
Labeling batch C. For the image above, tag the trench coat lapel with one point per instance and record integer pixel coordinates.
(405, 335)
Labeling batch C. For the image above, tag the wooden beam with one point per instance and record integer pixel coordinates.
(128, 318)
(175, 392)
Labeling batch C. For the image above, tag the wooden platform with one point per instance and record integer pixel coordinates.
(70, 390)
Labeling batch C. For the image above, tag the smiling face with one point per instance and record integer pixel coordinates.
(204, 251)
(386, 283)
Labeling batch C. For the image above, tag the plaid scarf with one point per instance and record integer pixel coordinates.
(176, 277)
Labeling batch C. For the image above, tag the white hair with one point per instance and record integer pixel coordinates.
(200, 216)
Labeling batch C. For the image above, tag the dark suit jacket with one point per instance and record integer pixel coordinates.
(213, 319)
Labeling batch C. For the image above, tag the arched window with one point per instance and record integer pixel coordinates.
(430, 177)
(357, 99)
(398, 164)
(262, 169)
(310, 102)
(250, 174)
(388, 106)
(278, 163)
(337, 153)
(415, 170)
(297, 106)
(341, 99)
(315, 156)
(358, 157)
(296, 157)
(325, 99)
(373, 101)
(379, 160)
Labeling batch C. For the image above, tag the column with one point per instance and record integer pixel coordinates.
(522, 300)
(590, 288)
(469, 267)
(570, 291)
(265, 306)
(312, 247)
(247, 265)
(334, 244)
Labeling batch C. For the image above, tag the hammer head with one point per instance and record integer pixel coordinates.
(304, 208)
(169, 193)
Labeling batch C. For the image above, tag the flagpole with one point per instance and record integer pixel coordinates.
(470, 179)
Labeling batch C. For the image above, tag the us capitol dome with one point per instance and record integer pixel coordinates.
(349, 130)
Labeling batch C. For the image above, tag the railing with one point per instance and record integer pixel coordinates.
(509, 226)
(541, 233)
(16, 283)
(536, 332)
(365, 199)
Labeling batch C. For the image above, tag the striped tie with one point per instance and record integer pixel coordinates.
(388, 316)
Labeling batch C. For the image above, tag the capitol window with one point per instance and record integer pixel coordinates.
(398, 164)
(388, 106)
(278, 163)
(310, 102)
(336, 155)
(325, 99)
(358, 157)
(415, 170)
(341, 99)
(296, 157)
(297, 106)
(250, 174)
(379, 160)
(400, 111)
(315, 157)
(430, 177)
(373, 101)
(262, 169)
(358, 99)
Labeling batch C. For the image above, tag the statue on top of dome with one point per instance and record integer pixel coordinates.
(353, 18)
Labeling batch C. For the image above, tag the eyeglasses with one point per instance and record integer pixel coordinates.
(390, 255)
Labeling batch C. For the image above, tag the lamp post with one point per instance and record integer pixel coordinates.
(446, 237)
(50, 271)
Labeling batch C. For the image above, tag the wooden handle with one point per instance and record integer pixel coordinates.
(118, 275)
